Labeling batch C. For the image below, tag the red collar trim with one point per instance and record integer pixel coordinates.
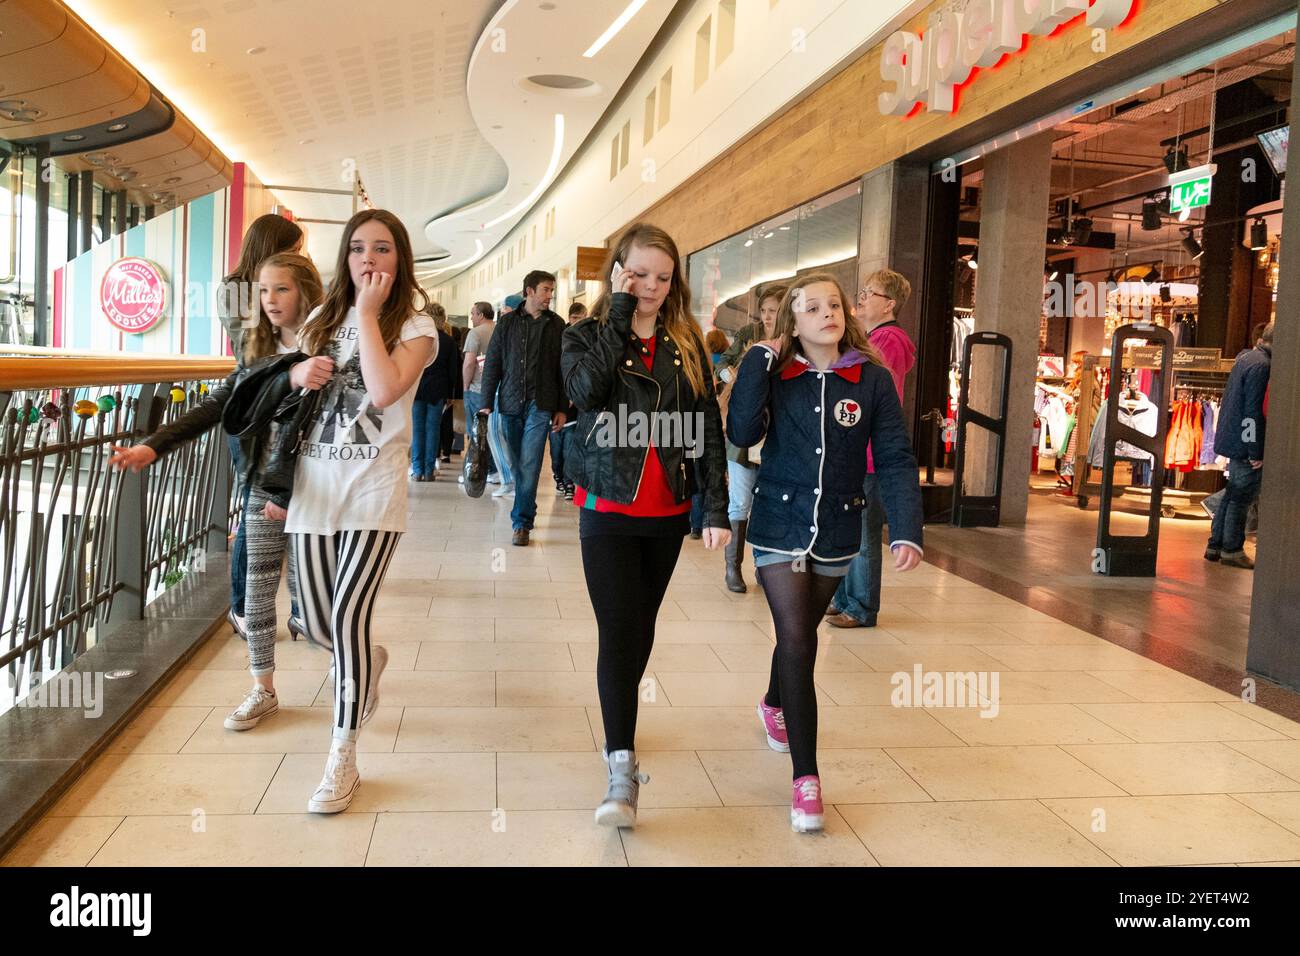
(850, 373)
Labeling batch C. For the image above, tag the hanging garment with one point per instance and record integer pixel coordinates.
(1056, 418)
(1140, 414)
(1210, 418)
(1183, 444)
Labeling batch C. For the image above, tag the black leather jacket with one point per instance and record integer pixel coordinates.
(606, 378)
(245, 403)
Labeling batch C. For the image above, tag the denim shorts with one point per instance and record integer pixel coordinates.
(828, 569)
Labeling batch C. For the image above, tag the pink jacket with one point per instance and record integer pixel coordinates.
(900, 356)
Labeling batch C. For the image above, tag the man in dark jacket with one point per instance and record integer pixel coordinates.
(1239, 437)
(522, 384)
(436, 388)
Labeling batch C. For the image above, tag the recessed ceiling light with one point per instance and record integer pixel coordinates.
(118, 127)
(769, 235)
(12, 104)
(74, 137)
(127, 175)
(24, 116)
(255, 50)
(171, 181)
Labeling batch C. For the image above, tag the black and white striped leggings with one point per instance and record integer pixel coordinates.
(339, 576)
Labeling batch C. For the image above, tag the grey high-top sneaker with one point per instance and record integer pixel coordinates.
(618, 809)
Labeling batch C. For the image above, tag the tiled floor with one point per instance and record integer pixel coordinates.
(486, 747)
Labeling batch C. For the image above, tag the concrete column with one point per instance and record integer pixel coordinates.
(892, 236)
(1272, 650)
(1009, 299)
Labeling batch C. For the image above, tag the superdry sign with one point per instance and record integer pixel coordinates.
(927, 68)
(133, 294)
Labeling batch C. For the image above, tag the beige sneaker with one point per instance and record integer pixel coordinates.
(258, 704)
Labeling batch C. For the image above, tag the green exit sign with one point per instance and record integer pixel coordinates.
(1190, 188)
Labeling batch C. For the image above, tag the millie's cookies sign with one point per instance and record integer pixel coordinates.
(927, 68)
(133, 295)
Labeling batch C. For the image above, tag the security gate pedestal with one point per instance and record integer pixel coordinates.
(976, 511)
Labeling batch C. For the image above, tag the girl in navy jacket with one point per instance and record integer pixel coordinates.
(816, 395)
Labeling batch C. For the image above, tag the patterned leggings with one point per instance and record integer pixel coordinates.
(340, 575)
(266, 543)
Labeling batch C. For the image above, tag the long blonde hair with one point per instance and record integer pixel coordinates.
(853, 338)
(400, 305)
(679, 325)
(260, 340)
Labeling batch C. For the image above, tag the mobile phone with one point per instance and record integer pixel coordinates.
(618, 271)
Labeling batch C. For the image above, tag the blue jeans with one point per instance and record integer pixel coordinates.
(1228, 530)
(697, 511)
(525, 437)
(558, 441)
(426, 433)
(239, 548)
(859, 593)
(740, 490)
(501, 454)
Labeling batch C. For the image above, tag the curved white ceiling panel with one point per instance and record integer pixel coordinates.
(541, 74)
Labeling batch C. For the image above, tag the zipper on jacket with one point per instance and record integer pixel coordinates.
(677, 381)
(658, 395)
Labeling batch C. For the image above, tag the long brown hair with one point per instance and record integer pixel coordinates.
(852, 339)
(259, 341)
(266, 236)
(400, 305)
(679, 325)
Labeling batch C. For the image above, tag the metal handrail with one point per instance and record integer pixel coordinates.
(83, 546)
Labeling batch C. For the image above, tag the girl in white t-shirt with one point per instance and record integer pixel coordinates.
(348, 509)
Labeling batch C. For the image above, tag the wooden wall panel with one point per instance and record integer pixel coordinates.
(836, 134)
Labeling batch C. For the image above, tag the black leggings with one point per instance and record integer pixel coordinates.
(627, 577)
(798, 599)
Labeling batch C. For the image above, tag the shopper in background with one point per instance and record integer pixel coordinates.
(431, 397)
(716, 340)
(237, 311)
(641, 353)
(819, 395)
(882, 296)
(760, 328)
(1239, 437)
(288, 289)
(370, 345)
(560, 440)
(742, 463)
(500, 448)
(523, 360)
(447, 441)
(481, 316)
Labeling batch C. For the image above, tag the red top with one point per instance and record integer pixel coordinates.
(654, 499)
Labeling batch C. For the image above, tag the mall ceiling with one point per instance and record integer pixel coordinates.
(305, 92)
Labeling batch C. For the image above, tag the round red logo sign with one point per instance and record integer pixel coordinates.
(133, 294)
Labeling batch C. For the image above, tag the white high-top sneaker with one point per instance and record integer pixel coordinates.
(340, 783)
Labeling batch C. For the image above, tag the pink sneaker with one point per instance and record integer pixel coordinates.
(806, 812)
(773, 719)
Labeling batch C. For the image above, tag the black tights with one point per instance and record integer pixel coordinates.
(627, 577)
(798, 599)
